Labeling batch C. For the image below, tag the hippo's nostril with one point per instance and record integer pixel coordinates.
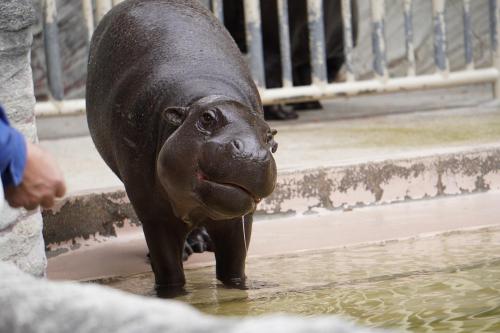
(237, 144)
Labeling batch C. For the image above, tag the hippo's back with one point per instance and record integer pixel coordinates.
(147, 55)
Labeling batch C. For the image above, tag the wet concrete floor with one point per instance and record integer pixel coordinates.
(448, 282)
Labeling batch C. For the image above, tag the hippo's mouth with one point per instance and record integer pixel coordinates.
(201, 176)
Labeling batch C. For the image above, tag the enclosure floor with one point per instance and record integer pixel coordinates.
(365, 129)
(441, 283)
(126, 254)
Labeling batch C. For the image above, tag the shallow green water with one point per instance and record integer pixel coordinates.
(445, 283)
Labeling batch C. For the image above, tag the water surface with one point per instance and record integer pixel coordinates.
(444, 283)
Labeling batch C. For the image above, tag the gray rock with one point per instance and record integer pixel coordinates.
(22, 242)
(16, 86)
(9, 217)
(16, 14)
(20, 231)
(35, 305)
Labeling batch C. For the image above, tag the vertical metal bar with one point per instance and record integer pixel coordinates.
(468, 46)
(101, 8)
(347, 25)
(286, 58)
(218, 9)
(440, 59)
(495, 45)
(378, 39)
(88, 14)
(410, 49)
(317, 41)
(254, 40)
(52, 53)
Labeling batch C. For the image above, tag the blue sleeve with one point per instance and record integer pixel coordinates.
(12, 152)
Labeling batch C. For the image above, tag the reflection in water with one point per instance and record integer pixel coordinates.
(447, 283)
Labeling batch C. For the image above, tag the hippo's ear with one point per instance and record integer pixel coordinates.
(175, 115)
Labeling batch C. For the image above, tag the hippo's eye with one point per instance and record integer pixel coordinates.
(208, 120)
(208, 116)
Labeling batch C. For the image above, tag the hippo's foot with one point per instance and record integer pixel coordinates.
(170, 291)
(235, 283)
(198, 241)
(311, 105)
(249, 284)
(279, 112)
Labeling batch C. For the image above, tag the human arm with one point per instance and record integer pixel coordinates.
(30, 176)
(12, 153)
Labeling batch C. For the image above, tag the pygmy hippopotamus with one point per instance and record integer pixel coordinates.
(174, 112)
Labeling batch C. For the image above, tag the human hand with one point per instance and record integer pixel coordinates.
(42, 181)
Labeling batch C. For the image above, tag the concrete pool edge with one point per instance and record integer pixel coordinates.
(102, 213)
(211, 262)
(126, 254)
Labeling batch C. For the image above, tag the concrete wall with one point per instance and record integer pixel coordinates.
(21, 239)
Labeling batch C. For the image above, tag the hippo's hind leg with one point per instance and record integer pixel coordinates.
(230, 249)
(198, 241)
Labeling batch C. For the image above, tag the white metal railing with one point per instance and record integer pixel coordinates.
(320, 88)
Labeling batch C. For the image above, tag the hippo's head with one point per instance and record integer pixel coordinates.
(218, 163)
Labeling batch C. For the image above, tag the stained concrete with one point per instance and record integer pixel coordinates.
(126, 254)
(386, 181)
(357, 152)
(87, 216)
(101, 215)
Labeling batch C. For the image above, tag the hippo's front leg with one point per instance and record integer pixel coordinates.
(230, 249)
(166, 244)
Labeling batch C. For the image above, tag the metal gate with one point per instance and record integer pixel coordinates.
(319, 88)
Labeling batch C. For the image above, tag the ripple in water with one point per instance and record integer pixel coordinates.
(446, 283)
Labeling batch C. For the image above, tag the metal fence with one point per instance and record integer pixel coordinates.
(319, 89)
